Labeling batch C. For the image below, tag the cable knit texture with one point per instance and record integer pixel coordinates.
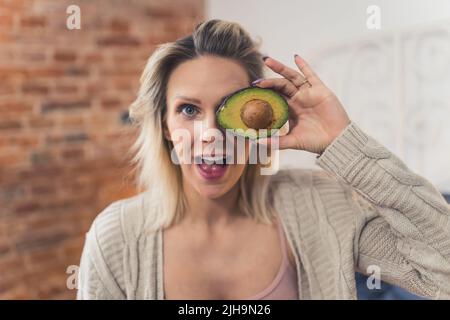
(365, 209)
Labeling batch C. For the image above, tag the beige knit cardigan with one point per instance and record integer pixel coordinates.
(365, 211)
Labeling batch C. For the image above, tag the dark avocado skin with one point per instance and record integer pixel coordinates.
(226, 98)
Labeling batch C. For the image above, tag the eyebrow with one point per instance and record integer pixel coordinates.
(195, 100)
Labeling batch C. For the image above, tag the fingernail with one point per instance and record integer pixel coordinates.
(264, 58)
(257, 81)
(296, 56)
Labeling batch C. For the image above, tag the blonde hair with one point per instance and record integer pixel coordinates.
(151, 151)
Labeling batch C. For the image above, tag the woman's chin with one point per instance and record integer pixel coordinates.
(211, 186)
(212, 191)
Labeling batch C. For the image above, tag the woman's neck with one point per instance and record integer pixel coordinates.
(212, 212)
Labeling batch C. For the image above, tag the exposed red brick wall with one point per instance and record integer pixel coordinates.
(63, 139)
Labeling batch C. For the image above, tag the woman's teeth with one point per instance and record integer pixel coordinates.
(214, 160)
(209, 160)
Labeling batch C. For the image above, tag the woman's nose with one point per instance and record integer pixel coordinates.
(211, 131)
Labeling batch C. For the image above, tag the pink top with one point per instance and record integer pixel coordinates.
(284, 286)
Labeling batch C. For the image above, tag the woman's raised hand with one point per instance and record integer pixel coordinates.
(316, 116)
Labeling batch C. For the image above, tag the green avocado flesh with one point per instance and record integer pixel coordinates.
(251, 109)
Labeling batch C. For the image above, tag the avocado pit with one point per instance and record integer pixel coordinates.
(257, 114)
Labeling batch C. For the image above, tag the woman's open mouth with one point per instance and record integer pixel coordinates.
(212, 168)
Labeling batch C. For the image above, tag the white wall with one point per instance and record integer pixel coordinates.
(394, 82)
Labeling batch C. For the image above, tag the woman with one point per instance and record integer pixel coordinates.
(202, 231)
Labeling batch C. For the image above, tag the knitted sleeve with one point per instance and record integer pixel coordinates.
(403, 227)
(100, 274)
(90, 285)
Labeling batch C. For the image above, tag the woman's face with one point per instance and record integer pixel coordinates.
(194, 92)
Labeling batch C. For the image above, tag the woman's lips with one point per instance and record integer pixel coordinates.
(211, 172)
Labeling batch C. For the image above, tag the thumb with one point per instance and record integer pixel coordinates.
(276, 142)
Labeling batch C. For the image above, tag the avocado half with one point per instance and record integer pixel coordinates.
(253, 108)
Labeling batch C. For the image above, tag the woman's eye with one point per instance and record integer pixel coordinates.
(188, 110)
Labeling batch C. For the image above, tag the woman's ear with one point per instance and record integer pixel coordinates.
(166, 132)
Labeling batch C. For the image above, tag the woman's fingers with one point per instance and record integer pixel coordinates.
(292, 75)
(306, 70)
(296, 77)
(286, 88)
(279, 84)
(284, 142)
